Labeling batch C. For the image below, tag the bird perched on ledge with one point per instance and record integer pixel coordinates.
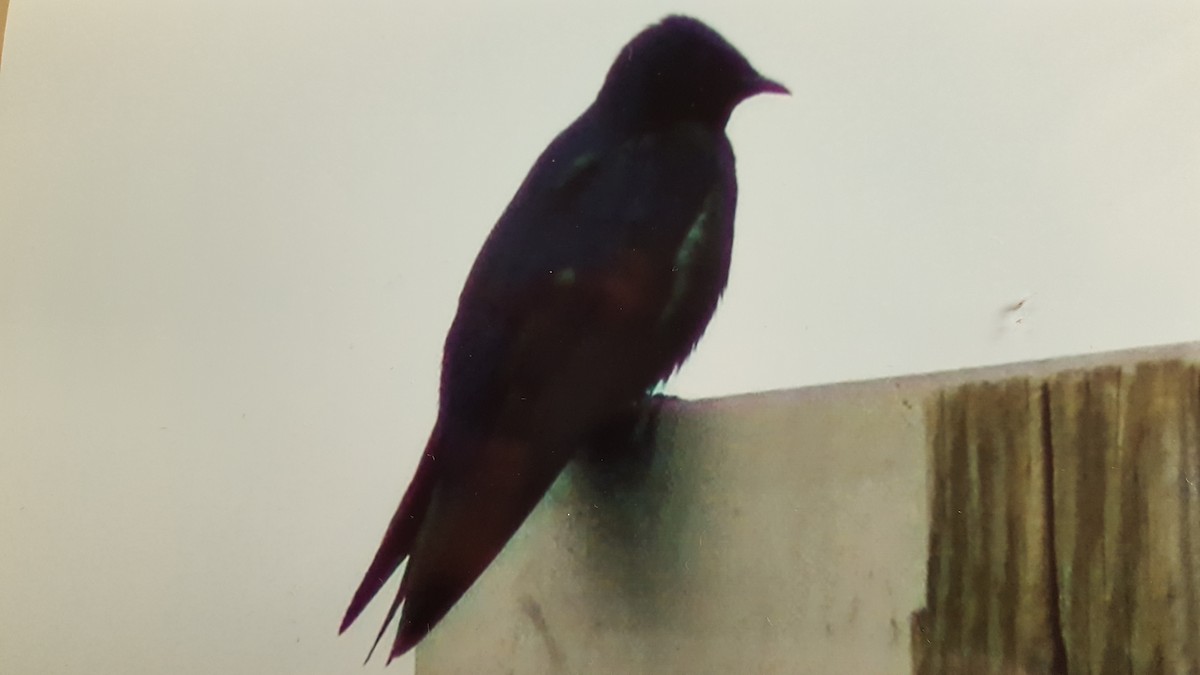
(592, 288)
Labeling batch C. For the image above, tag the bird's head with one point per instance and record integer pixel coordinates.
(680, 69)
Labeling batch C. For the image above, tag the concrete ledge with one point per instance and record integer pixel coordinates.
(785, 532)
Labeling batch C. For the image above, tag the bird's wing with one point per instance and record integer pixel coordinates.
(589, 240)
(554, 332)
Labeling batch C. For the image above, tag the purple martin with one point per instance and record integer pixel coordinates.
(592, 288)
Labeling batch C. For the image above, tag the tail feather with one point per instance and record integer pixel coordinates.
(397, 540)
(468, 522)
(450, 535)
(387, 621)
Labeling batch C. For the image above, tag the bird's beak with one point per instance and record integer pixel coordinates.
(767, 86)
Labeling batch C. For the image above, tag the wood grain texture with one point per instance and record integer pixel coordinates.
(990, 570)
(1064, 519)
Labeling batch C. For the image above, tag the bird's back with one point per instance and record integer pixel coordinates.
(626, 236)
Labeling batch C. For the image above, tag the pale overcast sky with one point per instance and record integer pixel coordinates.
(232, 235)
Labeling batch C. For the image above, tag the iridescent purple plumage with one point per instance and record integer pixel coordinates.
(593, 287)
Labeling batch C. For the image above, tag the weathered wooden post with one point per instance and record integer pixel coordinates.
(1065, 524)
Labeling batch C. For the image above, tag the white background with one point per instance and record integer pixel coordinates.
(232, 235)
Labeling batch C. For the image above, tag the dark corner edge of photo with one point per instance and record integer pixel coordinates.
(3, 23)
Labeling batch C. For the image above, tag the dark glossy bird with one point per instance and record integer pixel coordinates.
(591, 289)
